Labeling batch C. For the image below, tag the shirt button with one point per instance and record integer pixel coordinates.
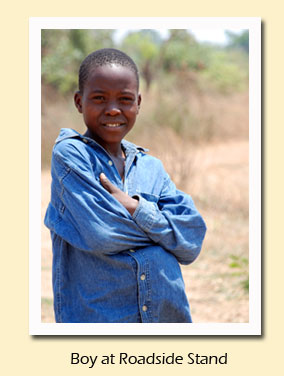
(110, 163)
(131, 250)
(144, 308)
(85, 140)
(142, 277)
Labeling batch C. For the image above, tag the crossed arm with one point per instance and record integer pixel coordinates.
(96, 216)
(177, 227)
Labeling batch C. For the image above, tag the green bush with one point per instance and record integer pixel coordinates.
(223, 69)
(225, 73)
(63, 52)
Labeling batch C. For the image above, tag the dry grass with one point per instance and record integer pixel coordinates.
(190, 113)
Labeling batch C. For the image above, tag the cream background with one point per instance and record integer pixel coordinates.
(51, 355)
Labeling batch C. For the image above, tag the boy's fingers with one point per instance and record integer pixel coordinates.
(107, 184)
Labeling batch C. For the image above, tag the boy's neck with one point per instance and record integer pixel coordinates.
(115, 149)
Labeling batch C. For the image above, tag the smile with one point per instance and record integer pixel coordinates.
(113, 125)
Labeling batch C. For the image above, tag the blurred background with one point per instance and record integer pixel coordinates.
(194, 117)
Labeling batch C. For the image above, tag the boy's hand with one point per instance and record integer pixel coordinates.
(128, 202)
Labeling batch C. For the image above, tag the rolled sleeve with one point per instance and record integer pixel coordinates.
(144, 214)
(173, 222)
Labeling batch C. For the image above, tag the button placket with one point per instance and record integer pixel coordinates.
(144, 300)
(142, 286)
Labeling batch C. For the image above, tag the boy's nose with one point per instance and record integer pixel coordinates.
(112, 110)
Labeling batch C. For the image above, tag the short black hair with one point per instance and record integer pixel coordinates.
(105, 56)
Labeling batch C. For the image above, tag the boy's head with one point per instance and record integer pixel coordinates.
(108, 96)
(105, 56)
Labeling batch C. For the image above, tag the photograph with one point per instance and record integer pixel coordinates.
(147, 142)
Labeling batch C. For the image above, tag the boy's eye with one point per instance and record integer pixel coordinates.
(126, 99)
(98, 98)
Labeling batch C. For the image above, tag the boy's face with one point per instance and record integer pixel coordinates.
(110, 103)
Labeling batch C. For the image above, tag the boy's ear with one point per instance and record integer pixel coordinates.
(78, 101)
(139, 102)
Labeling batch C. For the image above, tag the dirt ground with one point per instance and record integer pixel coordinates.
(215, 282)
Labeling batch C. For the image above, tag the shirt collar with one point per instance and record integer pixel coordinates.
(71, 133)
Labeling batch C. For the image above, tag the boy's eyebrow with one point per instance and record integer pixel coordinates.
(103, 91)
(100, 91)
(127, 92)
(97, 91)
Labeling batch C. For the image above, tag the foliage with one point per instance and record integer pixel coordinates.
(238, 41)
(225, 71)
(241, 265)
(184, 77)
(144, 47)
(182, 52)
(64, 50)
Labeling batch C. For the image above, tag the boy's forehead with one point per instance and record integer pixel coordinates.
(113, 74)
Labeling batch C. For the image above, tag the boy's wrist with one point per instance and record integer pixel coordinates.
(134, 204)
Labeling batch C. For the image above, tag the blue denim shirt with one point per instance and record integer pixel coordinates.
(109, 266)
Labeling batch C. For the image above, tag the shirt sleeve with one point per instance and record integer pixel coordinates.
(83, 213)
(173, 222)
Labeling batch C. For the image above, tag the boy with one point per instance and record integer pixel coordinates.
(118, 224)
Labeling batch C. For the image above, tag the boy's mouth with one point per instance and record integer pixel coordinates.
(113, 125)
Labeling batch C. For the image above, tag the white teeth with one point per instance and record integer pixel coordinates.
(112, 125)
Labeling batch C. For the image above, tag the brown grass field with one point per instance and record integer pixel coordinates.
(215, 174)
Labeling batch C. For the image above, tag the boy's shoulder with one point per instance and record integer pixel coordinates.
(70, 150)
(67, 136)
(71, 143)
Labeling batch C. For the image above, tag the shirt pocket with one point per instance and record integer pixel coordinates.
(149, 197)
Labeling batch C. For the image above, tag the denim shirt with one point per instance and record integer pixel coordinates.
(109, 266)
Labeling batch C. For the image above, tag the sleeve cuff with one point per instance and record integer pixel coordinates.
(145, 213)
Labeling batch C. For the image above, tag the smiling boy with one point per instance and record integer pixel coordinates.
(118, 224)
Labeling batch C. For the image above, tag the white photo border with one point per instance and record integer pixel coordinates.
(36, 24)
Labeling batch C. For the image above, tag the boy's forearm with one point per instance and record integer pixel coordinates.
(130, 203)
